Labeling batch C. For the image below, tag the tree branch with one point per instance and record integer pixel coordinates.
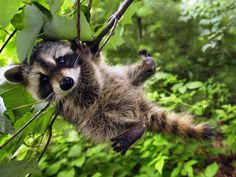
(108, 37)
(115, 17)
(8, 39)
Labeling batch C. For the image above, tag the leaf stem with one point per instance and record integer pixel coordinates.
(78, 22)
(8, 39)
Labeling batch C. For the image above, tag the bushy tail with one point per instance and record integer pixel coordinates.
(161, 120)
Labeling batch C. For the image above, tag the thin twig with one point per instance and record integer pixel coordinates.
(78, 22)
(49, 135)
(2, 29)
(108, 37)
(8, 39)
(116, 16)
(90, 4)
(140, 30)
(27, 124)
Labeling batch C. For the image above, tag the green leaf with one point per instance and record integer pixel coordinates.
(162, 76)
(127, 18)
(97, 174)
(86, 12)
(115, 41)
(177, 86)
(194, 85)
(60, 27)
(42, 121)
(8, 8)
(188, 169)
(53, 169)
(19, 168)
(79, 162)
(211, 170)
(208, 46)
(72, 136)
(55, 5)
(18, 21)
(175, 172)
(160, 164)
(67, 173)
(143, 11)
(33, 21)
(40, 124)
(19, 123)
(182, 89)
(19, 106)
(75, 151)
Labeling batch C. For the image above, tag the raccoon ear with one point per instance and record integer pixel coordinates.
(14, 74)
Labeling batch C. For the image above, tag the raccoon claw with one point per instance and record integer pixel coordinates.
(120, 145)
(122, 142)
(144, 53)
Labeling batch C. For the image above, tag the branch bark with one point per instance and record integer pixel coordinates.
(94, 45)
(78, 23)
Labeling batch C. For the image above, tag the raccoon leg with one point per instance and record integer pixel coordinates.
(139, 73)
(122, 142)
(90, 82)
(160, 120)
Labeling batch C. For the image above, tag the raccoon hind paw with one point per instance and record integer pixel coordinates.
(122, 142)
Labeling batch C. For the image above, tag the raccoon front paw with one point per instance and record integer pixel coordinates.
(122, 142)
(148, 63)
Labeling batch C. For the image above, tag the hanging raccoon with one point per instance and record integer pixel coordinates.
(104, 102)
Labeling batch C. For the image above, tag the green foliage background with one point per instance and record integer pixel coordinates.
(193, 43)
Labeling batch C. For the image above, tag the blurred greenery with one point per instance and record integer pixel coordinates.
(193, 43)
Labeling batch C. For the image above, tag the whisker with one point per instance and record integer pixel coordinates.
(50, 97)
(77, 60)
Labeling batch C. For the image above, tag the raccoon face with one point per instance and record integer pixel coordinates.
(53, 69)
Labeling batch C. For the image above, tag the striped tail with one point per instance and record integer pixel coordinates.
(161, 120)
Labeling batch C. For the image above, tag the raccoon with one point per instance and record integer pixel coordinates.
(104, 102)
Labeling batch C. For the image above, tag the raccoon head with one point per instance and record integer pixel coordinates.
(52, 69)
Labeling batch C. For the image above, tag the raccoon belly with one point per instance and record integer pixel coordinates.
(115, 115)
(90, 122)
(102, 121)
(100, 128)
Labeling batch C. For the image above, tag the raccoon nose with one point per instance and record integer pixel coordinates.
(66, 83)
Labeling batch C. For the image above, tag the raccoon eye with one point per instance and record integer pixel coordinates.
(44, 80)
(61, 61)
